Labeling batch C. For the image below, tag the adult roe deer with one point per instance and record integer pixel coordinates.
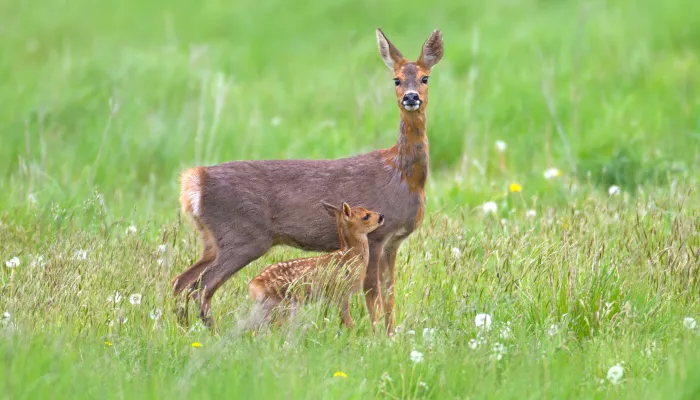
(336, 275)
(242, 208)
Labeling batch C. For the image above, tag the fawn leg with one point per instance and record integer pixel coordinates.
(229, 261)
(388, 263)
(345, 317)
(373, 295)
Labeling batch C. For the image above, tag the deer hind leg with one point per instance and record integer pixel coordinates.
(388, 263)
(231, 259)
(345, 317)
(265, 304)
(373, 295)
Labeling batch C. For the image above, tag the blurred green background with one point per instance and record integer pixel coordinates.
(119, 96)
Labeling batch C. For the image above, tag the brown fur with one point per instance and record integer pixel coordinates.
(273, 284)
(246, 207)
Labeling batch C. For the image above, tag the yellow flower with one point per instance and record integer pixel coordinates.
(515, 188)
(340, 374)
(108, 343)
(196, 344)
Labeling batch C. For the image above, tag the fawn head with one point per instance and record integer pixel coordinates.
(357, 220)
(411, 78)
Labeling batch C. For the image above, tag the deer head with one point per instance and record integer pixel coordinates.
(411, 77)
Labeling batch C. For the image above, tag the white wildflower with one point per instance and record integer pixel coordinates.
(156, 314)
(398, 329)
(37, 261)
(428, 256)
(530, 214)
(506, 332)
(501, 146)
(162, 248)
(497, 351)
(613, 190)
(115, 298)
(473, 344)
(6, 318)
(423, 385)
(553, 330)
(135, 299)
(429, 334)
(489, 207)
(80, 255)
(12, 262)
(615, 374)
(416, 356)
(456, 252)
(131, 230)
(551, 173)
(483, 322)
(160, 261)
(690, 323)
(411, 332)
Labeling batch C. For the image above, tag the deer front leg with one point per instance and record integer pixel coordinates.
(373, 295)
(345, 317)
(388, 263)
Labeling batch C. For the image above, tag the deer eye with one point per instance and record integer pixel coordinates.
(366, 217)
(397, 81)
(424, 80)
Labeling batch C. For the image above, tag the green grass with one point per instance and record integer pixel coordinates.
(103, 103)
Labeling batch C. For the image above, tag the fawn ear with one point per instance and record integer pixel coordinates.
(390, 54)
(346, 210)
(330, 208)
(432, 50)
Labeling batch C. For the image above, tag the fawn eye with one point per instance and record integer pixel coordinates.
(366, 218)
(424, 80)
(397, 81)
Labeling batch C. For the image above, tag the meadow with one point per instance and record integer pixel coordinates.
(559, 256)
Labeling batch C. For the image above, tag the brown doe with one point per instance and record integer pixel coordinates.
(242, 208)
(335, 275)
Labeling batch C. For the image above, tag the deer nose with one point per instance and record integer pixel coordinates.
(411, 98)
(381, 219)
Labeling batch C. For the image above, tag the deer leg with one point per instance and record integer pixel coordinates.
(345, 317)
(388, 262)
(227, 263)
(373, 295)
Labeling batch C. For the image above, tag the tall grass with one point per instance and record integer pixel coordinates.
(102, 104)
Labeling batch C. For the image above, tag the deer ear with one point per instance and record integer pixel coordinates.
(390, 54)
(432, 50)
(346, 210)
(330, 208)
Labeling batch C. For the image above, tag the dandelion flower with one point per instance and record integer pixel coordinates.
(615, 374)
(429, 334)
(515, 188)
(196, 344)
(12, 262)
(551, 173)
(423, 385)
(530, 214)
(690, 323)
(501, 146)
(553, 329)
(489, 207)
(416, 356)
(115, 298)
(5, 317)
(411, 332)
(108, 343)
(340, 374)
(455, 252)
(80, 255)
(156, 314)
(613, 190)
(506, 332)
(497, 351)
(473, 344)
(131, 230)
(483, 321)
(135, 299)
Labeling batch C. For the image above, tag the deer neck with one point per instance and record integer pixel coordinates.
(354, 247)
(409, 157)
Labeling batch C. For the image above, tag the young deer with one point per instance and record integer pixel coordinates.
(242, 208)
(320, 275)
